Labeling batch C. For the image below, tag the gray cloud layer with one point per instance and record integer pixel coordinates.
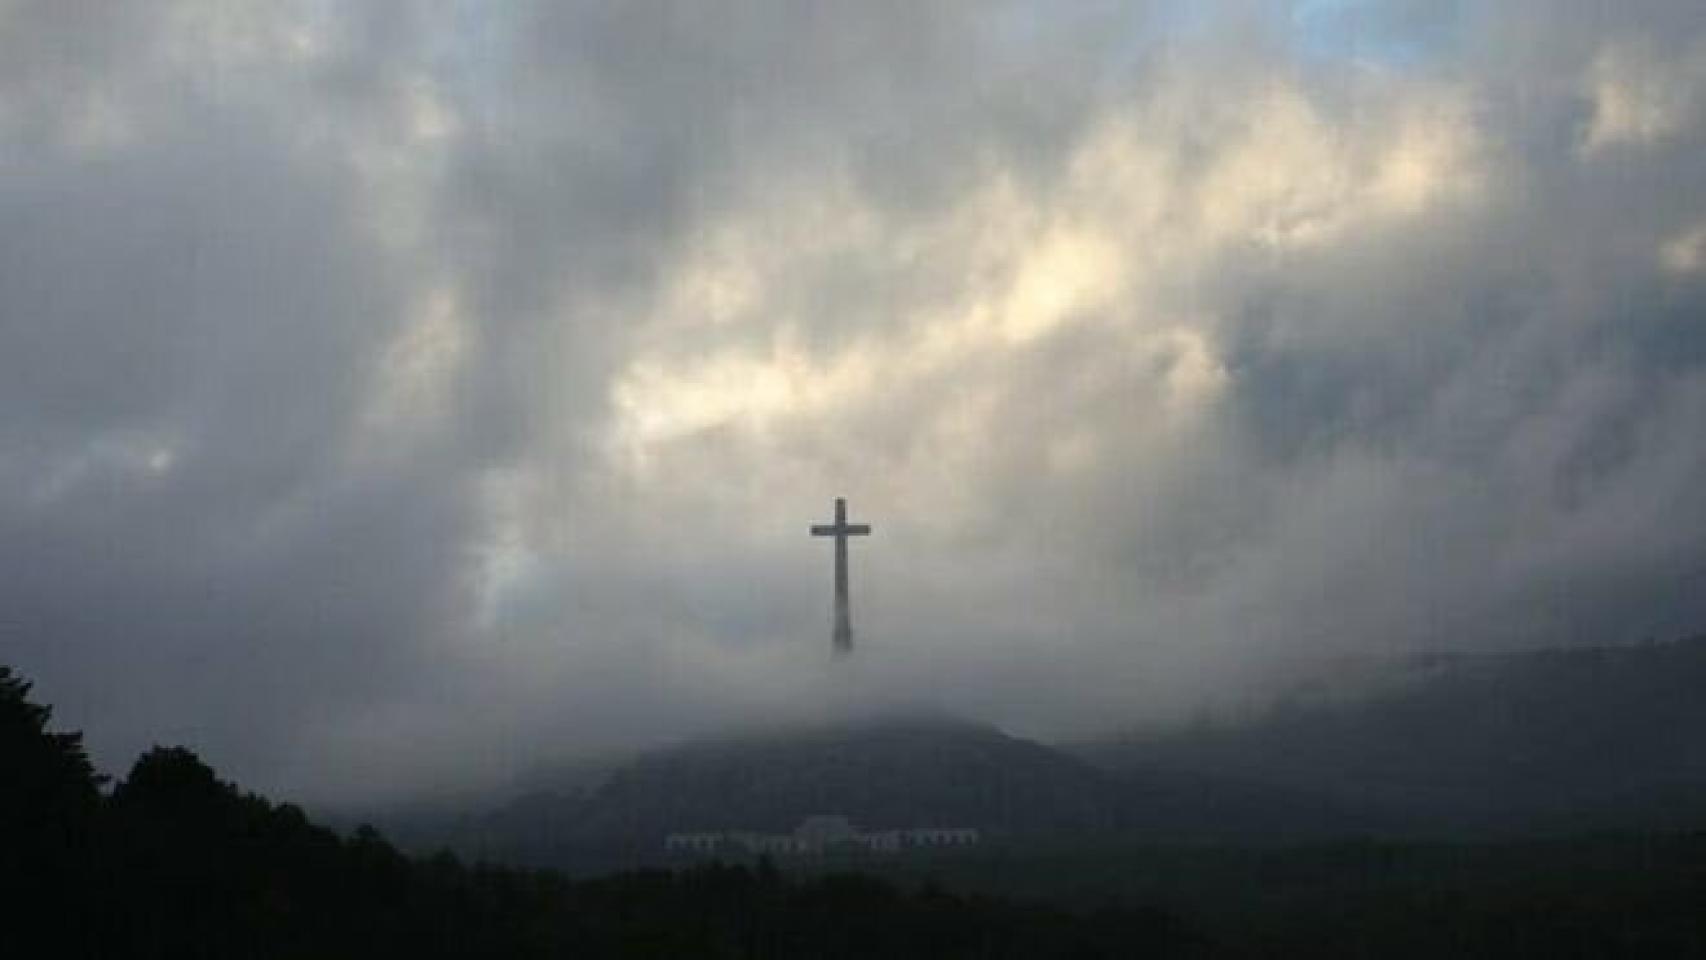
(397, 395)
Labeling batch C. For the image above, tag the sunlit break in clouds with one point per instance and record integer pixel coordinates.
(400, 397)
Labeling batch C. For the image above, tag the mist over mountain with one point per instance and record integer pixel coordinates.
(1547, 740)
(897, 773)
(175, 861)
(1519, 744)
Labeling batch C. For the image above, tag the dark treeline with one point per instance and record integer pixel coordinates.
(1585, 895)
(174, 862)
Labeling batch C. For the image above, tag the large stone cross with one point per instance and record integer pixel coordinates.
(841, 530)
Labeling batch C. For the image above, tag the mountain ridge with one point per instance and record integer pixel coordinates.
(1594, 737)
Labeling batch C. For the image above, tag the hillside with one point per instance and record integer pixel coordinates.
(1592, 738)
(897, 772)
(893, 773)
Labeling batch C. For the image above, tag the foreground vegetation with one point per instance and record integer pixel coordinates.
(1601, 895)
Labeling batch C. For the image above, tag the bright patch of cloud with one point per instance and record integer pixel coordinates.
(1685, 253)
(414, 384)
(1640, 96)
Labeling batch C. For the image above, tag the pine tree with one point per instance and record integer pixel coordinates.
(49, 799)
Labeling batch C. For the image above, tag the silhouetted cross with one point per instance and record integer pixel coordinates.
(841, 530)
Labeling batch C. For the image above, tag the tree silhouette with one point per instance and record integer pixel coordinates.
(49, 797)
(51, 776)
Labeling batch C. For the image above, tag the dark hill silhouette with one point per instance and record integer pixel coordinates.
(884, 773)
(889, 773)
(1543, 741)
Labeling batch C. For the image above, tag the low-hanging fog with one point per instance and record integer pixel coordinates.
(395, 397)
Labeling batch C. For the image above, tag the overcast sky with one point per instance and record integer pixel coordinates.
(397, 396)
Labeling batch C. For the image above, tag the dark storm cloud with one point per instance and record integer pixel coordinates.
(397, 396)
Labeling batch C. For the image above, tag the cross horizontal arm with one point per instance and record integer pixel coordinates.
(841, 530)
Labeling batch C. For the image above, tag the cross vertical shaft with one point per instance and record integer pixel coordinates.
(842, 637)
(843, 640)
